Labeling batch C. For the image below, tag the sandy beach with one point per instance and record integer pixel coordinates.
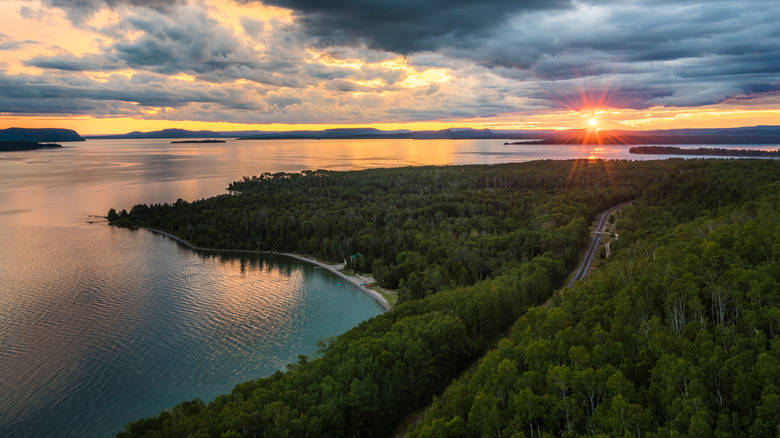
(359, 281)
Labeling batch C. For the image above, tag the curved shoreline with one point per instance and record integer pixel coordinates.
(373, 294)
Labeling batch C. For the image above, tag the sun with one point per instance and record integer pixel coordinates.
(593, 122)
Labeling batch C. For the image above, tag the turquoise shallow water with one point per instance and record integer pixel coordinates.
(120, 325)
(101, 326)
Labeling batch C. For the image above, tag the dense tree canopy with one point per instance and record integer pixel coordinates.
(676, 335)
(472, 248)
(420, 229)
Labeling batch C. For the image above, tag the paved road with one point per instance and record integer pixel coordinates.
(584, 267)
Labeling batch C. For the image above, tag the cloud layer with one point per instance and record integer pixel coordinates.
(79, 10)
(407, 26)
(361, 61)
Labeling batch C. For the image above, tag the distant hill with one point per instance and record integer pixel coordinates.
(39, 135)
(165, 133)
(369, 133)
(746, 136)
(337, 133)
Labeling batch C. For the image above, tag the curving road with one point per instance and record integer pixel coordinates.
(584, 267)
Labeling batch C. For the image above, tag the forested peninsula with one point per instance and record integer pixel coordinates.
(8, 146)
(38, 135)
(674, 334)
(711, 152)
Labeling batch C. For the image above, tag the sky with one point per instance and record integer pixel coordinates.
(115, 66)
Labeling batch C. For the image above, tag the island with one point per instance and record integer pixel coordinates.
(9, 146)
(199, 141)
(707, 152)
(529, 141)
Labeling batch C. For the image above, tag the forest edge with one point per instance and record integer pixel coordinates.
(359, 282)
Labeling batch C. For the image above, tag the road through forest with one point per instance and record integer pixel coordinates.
(587, 260)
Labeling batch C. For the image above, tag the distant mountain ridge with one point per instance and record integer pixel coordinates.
(369, 133)
(746, 135)
(39, 135)
(165, 133)
(335, 133)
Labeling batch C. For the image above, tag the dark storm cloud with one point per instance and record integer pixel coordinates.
(282, 102)
(679, 54)
(599, 95)
(663, 52)
(153, 96)
(761, 89)
(344, 86)
(72, 63)
(58, 94)
(405, 26)
(78, 10)
(8, 43)
(33, 14)
(629, 34)
(193, 42)
(499, 56)
(253, 28)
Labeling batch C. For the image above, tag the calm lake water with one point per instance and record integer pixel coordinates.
(100, 326)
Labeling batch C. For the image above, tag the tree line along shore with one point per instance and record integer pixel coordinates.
(709, 152)
(674, 334)
(379, 297)
(9, 146)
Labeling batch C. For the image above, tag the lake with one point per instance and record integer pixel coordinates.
(100, 326)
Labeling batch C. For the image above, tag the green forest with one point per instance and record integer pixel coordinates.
(673, 335)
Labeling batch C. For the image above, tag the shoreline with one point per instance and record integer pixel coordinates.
(332, 268)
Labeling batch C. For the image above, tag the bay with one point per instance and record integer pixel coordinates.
(100, 326)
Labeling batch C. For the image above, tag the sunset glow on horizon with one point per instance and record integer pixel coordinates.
(102, 67)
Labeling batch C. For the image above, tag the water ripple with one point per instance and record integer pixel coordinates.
(112, 325)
